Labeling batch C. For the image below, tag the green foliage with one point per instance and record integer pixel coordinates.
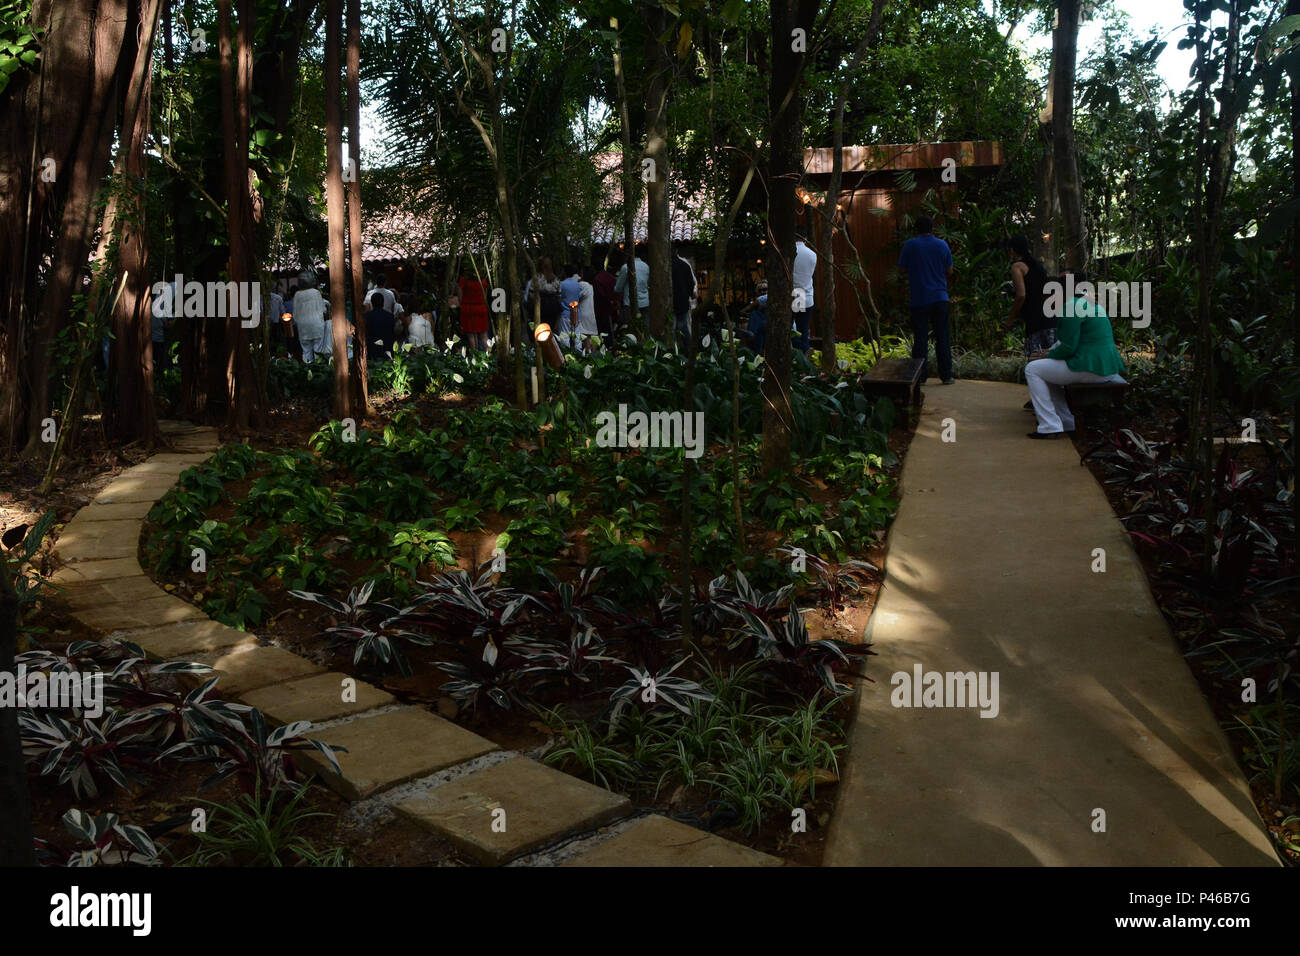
(251, 830)
(20, 47)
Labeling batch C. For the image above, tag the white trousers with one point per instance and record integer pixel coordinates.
(312, 348)
(1047, 379)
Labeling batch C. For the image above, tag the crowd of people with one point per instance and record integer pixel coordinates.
(584, 307)
(1070, 345)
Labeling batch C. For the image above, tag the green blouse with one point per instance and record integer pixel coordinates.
(1085, 341)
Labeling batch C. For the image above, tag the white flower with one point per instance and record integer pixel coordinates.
(457, 378)
(586, 372)
(704, 342)
(843, 364)
(726, 335)
(630, 339)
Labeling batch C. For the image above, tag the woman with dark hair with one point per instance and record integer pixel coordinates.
(1028, 276)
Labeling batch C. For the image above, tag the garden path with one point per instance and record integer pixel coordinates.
(990, 569)
(496, 806)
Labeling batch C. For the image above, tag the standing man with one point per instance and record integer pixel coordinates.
(310, 310)
(805, 264)
(685, 287)
(605, 301)
(381, 328)
(164, 313)
(926, 261)
(642, 283)
(570, 296)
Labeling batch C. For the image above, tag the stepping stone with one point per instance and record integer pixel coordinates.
(137, 616)
(199, 443)
(98, 540)
(85, 572)
(172, 641)
(169, 464)
(390, 749)
(142, 487)
(318, 698)
(541, 805)
(114, 512)
(659, 841)
(242, 668)
(118, 591)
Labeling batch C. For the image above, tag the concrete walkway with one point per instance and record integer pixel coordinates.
(990, 570)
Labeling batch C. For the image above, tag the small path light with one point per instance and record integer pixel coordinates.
(547, 345)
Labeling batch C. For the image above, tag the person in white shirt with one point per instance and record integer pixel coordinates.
(327, 345)
(805, 264)
(642, 283)
(310, 310)
(419, 332)
(390, 297)
(585, 328)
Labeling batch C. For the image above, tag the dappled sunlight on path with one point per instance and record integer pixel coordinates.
(1097, 718)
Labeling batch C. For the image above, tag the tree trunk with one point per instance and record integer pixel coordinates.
(243, 405)
(785, 164)
(1216, 138)
(132, 317)
(360, 387)
(630, 194)
(1047, 208)
(826, 247)
(334, 209)
(65, 114)
(659, 242)
(1065, 155)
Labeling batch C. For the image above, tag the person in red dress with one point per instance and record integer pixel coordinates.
(473, 311)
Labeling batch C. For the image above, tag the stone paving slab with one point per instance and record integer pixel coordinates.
(139, 487)
(242, 668)
(188, 639)
(171, 464)
(317, 698)
(114, 512)
(98, 540)
(541, 805)
(659, 841)
(137, 616)
(116, 591)
(87, 572)
(391, 749)
(198, 443)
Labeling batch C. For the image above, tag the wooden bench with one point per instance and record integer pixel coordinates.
(1107, 398)
(898, 379)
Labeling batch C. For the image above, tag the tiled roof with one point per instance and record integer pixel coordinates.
(399, 234)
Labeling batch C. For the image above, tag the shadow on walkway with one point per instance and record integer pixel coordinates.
(990, 570)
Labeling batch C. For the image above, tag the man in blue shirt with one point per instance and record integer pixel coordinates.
(570, 294)
(926, 260)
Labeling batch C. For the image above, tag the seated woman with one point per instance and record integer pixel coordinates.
(419, 331)
(1084, 353)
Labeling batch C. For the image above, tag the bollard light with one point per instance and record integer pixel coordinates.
(547, 345)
